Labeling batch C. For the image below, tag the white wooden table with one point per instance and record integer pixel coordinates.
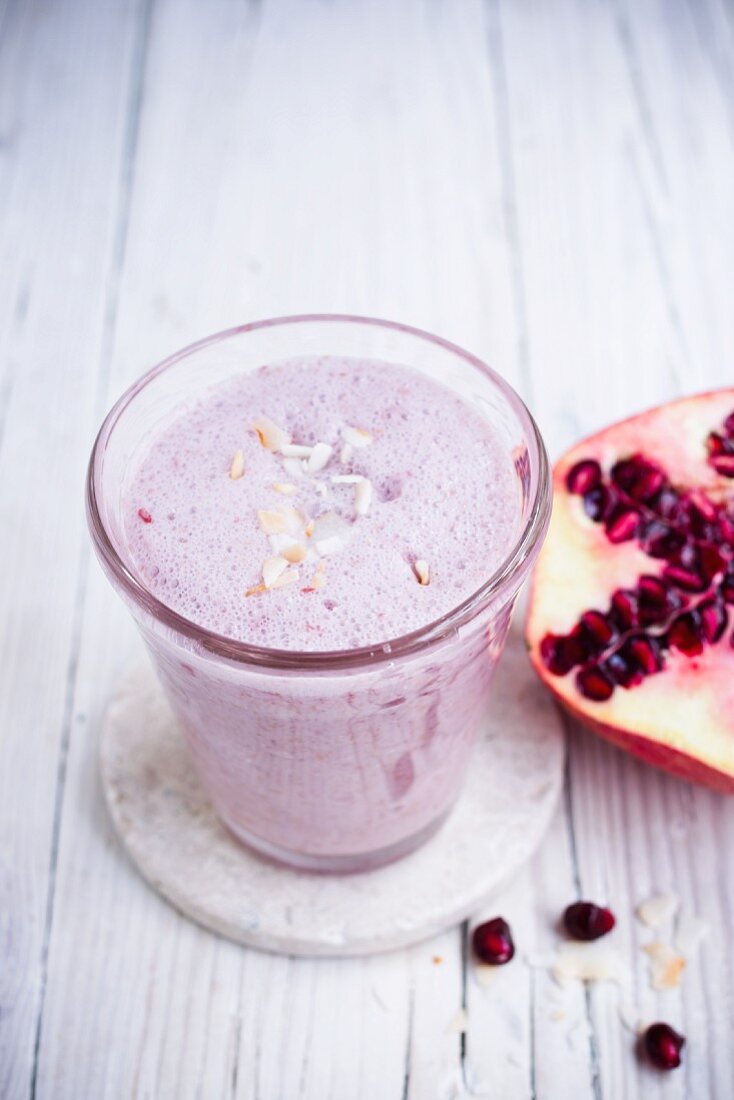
(550, 184)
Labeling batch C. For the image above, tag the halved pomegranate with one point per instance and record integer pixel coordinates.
(631, 615)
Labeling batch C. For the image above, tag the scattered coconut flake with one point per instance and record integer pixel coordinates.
(272, 569)
(331, 545)
(666, 967)
(356, 437)
(237, 468)
(320, 455)
(459, 1024)
(295, 553)
(630, 1016)
(437, 960)
(281, 542)
(287, 520)
(345, 455)
(272, 523)
(293, 467)
(256, 590)
(589, 962)
(270, 435)
(318, 581)
(284, 488)
(346, 479)
(689, 932)
(296, 450)
(285, 579)
(362, 502)
(657, 910)
(422, 572)
(309, 529)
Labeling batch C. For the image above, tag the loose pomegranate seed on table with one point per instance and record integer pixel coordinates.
(663, 1046)
(586, 921)
(492, 942)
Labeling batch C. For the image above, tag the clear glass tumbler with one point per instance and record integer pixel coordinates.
(333, 761)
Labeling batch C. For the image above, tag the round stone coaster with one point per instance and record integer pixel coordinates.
(174, 838)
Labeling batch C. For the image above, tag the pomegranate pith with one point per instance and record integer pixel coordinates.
(492, 942)
(585, 921)
(634, 589)
(663, 1046)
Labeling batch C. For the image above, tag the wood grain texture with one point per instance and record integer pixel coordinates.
(549, 184)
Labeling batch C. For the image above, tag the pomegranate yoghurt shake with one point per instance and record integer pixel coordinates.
(313, 506)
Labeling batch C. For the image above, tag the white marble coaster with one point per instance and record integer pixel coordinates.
(177, 843)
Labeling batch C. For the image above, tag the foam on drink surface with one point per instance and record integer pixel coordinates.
(416, 499)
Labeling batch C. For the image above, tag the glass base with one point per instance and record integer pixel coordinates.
(338, 864)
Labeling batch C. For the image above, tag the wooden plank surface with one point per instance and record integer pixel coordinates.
(549, 184)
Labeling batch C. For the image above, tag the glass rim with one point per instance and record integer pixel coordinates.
(497, 584)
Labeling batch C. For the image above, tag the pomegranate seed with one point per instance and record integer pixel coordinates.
(726, 528)
(666, 546)
(717, 445)
(492, 942)
(666, 502)
(598, 503)
(649, 484)
(686, 579)
(713, 619)
(727, 587)
(585, 921)
(626, 607)
(701, 504)
(663, 1046)
(599, 631)
(582, 477)
(644, 651)
(594, 683)
(712, 560)
(622, 671)
(638, 477)
(685, 634)
(729, 424)
(145, 515)
(656, 599)
(723, 464)
(623, 525)
(560, 653)
(687, 556)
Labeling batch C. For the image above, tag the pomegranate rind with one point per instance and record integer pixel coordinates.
(680, 720)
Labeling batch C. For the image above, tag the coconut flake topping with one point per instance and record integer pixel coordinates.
(270, 435)
(422, 572)
(319, 457)
(272, 569)
(356, 437)
(237, 468)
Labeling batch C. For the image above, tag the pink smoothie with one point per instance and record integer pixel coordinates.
(422, 480)
(322, 505)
